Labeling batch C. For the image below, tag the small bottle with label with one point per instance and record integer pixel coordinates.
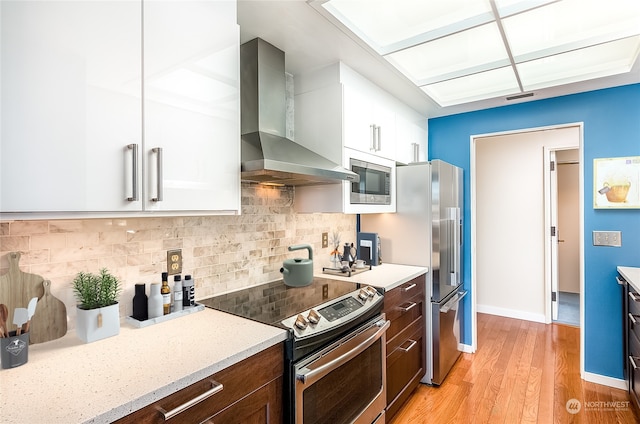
(188, 292)
(166, 294)
(177, 293)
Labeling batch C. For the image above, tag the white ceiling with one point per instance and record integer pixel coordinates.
(311, 40)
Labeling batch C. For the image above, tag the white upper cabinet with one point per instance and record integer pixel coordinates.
(191, 105)
(90, 124)
(70, 82)
(411, 136)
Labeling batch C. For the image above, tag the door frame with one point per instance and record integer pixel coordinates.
(473, 222)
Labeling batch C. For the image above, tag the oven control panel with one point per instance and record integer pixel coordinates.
(333, 313)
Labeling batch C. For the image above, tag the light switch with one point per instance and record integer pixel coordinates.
(607, 238)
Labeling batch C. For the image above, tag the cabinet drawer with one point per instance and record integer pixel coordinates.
(634, 346)
(633, 323)
(405, 366)
(401, 316)
(238, 381)
(405, 292)
(634, 305)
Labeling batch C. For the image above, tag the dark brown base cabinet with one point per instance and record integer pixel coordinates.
(632, 341)
(404, 307)
(251, 394)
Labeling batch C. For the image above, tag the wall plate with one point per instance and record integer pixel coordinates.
(607, 238)
(174, 261)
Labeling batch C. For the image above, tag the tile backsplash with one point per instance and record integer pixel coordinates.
(222, 253)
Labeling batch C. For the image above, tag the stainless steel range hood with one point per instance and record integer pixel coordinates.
(267, 156)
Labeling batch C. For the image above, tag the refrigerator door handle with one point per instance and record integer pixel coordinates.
(454, 251)
(455, 299)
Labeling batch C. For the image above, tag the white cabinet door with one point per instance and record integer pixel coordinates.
(70, 82)
(191, 105)
(411, 136)
(369, 119)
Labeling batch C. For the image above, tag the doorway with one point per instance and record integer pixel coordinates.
(568, 257)
(510, 222)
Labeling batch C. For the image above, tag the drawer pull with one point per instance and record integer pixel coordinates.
(633, 362)
(634, 297)
(620, 281)
(406, 289)
(632, 318)
(407, 308)
(408, 348)
(215, 388)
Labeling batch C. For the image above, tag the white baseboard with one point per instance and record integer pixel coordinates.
(605, 381)
(465, 348)
(511, 313)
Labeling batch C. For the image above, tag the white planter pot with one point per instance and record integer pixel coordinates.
(88, 321)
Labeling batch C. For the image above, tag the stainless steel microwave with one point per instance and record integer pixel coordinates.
(374, 187)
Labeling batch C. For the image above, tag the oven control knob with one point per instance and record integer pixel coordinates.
(370, 291)
(313, 317)
(301, 322)
(363, 295)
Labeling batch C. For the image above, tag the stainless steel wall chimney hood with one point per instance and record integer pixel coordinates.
(267, 156)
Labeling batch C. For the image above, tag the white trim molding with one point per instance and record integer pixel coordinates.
(605, 380)
(511, 313)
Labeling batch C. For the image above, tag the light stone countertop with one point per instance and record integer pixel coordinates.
(68, 381)
(386, 276)
(632, 275)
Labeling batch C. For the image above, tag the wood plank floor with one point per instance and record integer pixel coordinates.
(522, 372)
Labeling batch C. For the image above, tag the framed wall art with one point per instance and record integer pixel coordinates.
(616, 183)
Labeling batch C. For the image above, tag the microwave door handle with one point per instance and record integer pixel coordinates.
(312, 375)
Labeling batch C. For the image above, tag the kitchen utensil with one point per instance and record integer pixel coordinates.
(18, 287)
(49, 322)
(20, 316)
(4, 314)
(298, 272)
(31, 309)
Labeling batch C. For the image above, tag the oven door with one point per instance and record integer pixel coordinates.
(345, 382)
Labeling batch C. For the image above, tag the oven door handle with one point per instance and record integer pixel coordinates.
(312, 375)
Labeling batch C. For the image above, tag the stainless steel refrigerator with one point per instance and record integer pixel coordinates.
(426, 231)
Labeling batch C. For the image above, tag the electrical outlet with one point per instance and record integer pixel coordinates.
(607, 238)
(174, 261)
(325, 240)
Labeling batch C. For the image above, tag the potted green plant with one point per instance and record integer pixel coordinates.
(98, 311)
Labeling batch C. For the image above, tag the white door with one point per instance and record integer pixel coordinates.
(71, 103)
(191, 104)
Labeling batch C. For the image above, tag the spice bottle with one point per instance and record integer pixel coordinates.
(155, 301)
(166, 294)
(177, 293)
(140, 303)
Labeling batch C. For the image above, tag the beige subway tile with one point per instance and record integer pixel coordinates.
(65, 226)
(29, 227)
(48, 241)
(14, 243)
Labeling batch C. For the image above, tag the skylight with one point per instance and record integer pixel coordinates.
(459, 51)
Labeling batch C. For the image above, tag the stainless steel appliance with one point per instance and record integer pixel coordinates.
(335, 357)
(426, 231)
(374, 187)
(267, 155)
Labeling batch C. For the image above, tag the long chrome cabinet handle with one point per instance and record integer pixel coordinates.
(632, 318)
(372, 137)
(407, 308)
(620, 281)
(408, 348)
(134, 170)
(634, 297)
(215, 388)
(406, 289)
(378, 138)
(416, 152)
(633, 362)
(159, 182)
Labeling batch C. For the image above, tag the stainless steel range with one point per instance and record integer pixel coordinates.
(335, 355)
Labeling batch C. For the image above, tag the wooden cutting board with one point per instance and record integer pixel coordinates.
(17, 287)
(49, 322)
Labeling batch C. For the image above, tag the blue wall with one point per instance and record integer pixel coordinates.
(611, 120)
